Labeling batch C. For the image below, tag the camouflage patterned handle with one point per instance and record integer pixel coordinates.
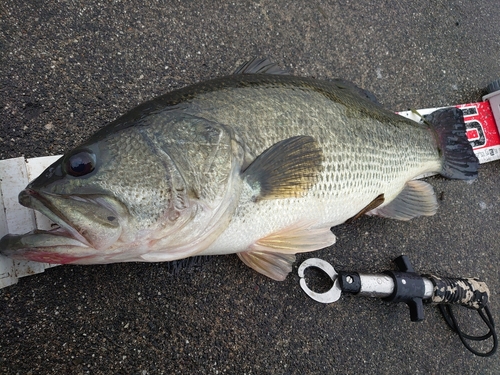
(469, 292)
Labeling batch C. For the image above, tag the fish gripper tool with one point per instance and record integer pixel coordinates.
(405, 285)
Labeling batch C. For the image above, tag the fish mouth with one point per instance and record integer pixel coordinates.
(32, 199)
(85, 224)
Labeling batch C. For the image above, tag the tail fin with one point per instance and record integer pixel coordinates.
(459, 160)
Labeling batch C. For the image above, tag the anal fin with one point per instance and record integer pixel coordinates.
(274, 254)
(416, 199)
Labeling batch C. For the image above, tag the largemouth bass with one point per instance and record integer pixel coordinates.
(258, 163)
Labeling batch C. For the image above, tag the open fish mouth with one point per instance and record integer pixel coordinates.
(80, 226)
(40, 202)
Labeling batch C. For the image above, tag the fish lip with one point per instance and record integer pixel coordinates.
(37, 255)
(35, 200)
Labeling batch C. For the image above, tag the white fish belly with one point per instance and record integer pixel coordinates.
(327, 205)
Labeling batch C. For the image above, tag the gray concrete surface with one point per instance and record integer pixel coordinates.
(69, 67)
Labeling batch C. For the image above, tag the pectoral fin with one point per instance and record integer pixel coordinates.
(416, 199)
(273, 255)
(285, 170)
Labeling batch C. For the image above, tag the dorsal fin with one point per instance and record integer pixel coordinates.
(355, 89)
(260, 66)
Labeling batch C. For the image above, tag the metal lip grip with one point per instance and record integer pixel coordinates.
(407, 286)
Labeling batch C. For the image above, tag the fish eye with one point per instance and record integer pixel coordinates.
(80, 163)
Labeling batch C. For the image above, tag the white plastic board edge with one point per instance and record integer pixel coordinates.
(14, 218)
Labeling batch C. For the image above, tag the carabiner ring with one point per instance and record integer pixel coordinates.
(328, 297)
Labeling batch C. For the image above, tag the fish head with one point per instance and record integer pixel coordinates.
(132, 192)
(89, 216)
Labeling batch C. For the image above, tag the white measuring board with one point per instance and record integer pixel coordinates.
(14, 218)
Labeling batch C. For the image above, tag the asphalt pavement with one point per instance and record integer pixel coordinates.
(69, 67)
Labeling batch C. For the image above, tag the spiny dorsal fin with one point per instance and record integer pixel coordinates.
(260, 66)
(287, 169)
(416, 199)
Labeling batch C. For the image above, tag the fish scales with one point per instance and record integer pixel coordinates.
(364, 155)
(261, 165)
